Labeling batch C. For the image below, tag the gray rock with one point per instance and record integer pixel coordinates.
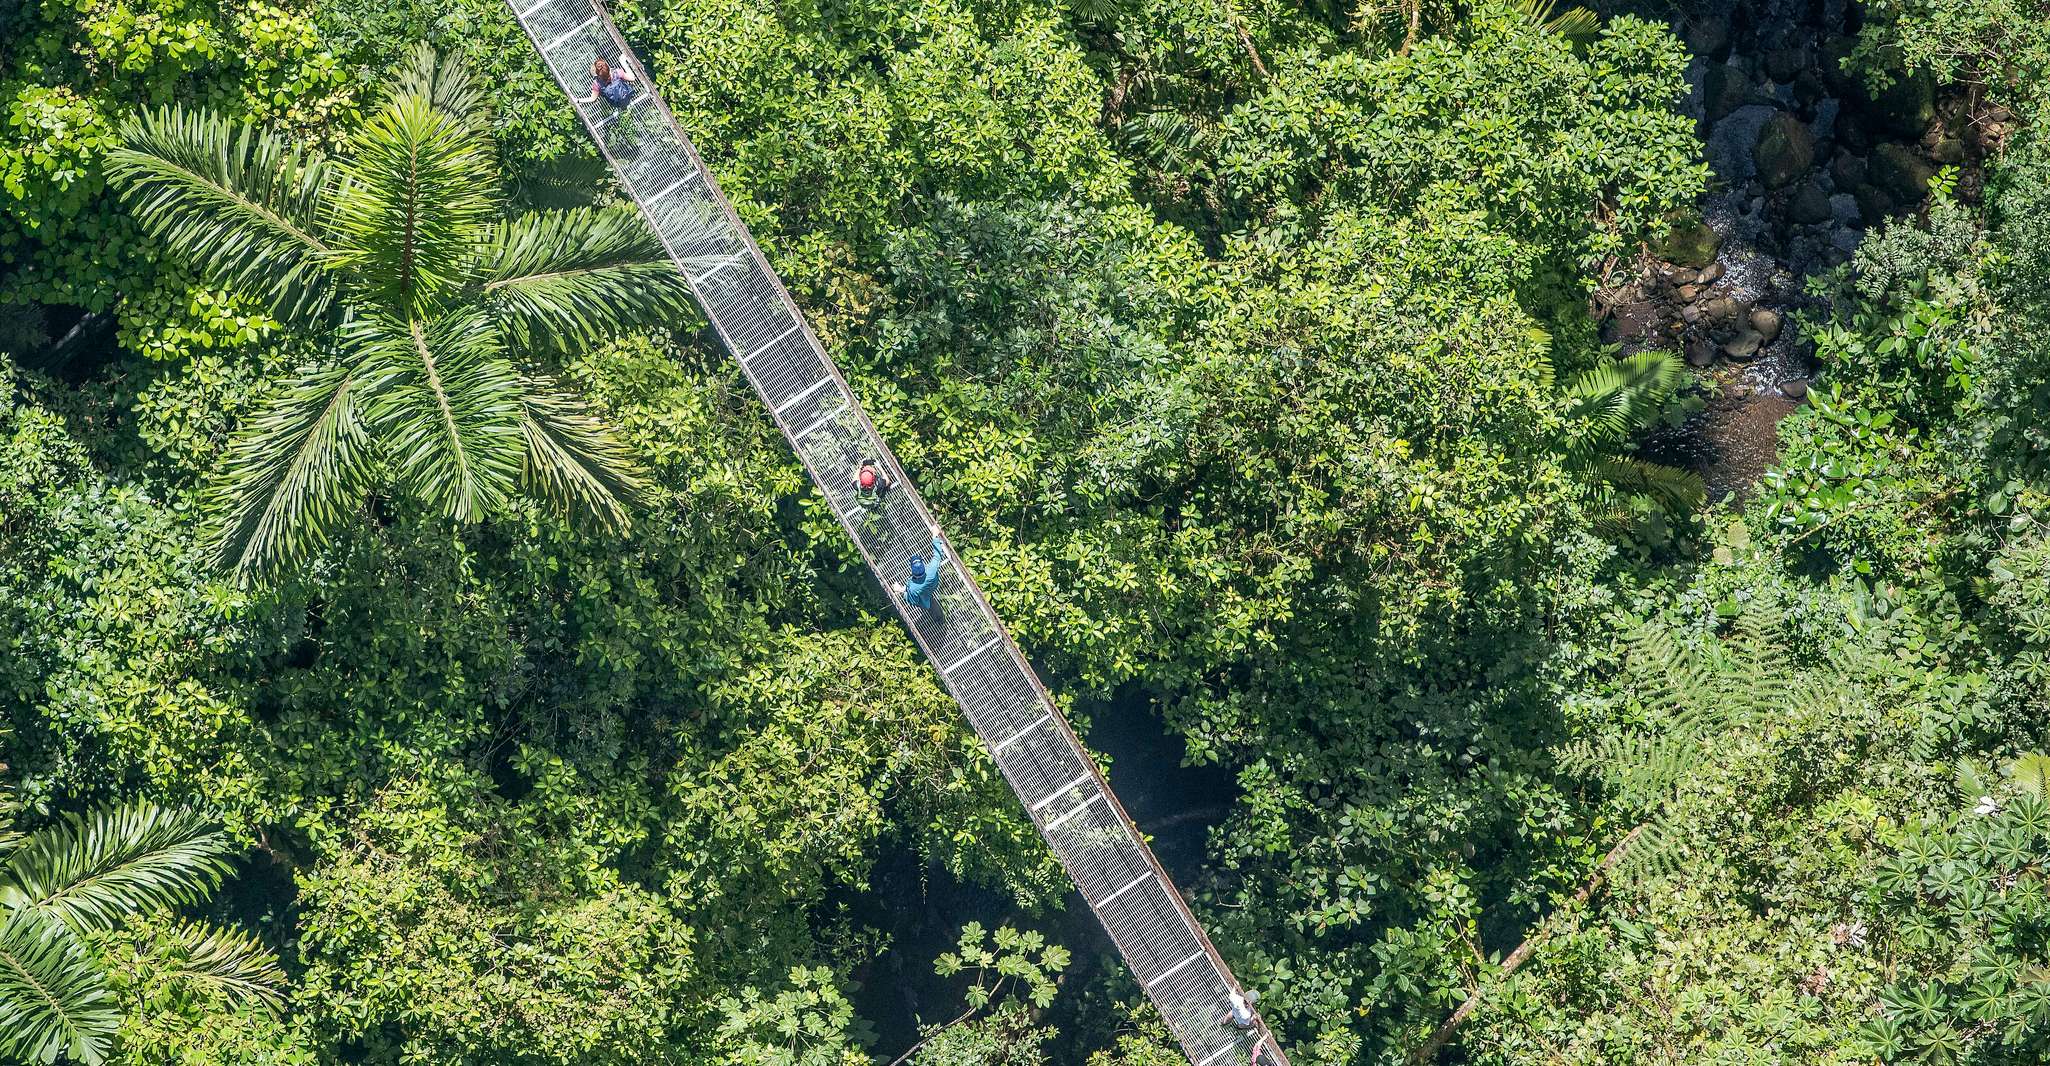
(1901, 172)
(1683, 277)
(1948, 151)
(1692, 244)
(1722, 309)
(1843, 209)
(1848, 170)
(1830, 65)
(1765, 323)
(1784, 150)
(1710, 274)
(1723, 89)
(1795, 389)
(1810, 204)
(1708, 35)
(1782, 64)
(1744, 345)
(1700, 352)
(1873, 202)
(1690, 314)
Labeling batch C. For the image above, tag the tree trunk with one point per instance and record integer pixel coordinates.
(1429, 1050)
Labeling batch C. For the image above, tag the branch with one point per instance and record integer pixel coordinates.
(1429, 1051)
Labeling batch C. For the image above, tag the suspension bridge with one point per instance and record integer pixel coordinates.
(1059, 784)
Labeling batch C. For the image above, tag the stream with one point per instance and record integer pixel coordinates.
(1803, 160)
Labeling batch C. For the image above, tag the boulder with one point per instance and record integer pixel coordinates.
(1784, 151)
(1906, 107)
(1810, 205)
(1723, 89)
(1765, 323)
(1809, 90)
(1690, 314)
(1700, 352)
(1744, 345)
(1783, 64)
(1795, 389)
(1848, 170)
(1707, 36)
(1690, 243)
(1901, 172)
(1683, 277)
(1873, 203)
(1841, 81)
(1687, 293)
(1721, 310)
(1948, 151)
(1710, 274)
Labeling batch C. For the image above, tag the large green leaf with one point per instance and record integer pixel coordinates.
(421, 188)
(574, 460)
(91, 869)
(227, 961)
(243, 206)
(449, 419)
(54, 1002)
(293, 470)
(562, 279)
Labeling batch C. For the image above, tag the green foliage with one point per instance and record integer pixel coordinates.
(90, 874)
(810, 1023)
(442, 296)
(996, 960)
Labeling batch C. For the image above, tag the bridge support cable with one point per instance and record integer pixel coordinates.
(1060, 786)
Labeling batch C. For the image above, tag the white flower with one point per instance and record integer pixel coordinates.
(1987, 805)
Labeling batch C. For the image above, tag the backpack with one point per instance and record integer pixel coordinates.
(617, 93)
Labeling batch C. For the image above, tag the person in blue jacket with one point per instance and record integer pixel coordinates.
(925, 580)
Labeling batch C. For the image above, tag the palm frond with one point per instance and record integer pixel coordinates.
(91, 869)
(574, 460)
(420, 189)
(242, 205)
(450, 416)
(443, 81)
(293, 470)
(1609, 402)
(1674, 488)
(53, 1000)
(227, 961)
(569, 278)
(1576, 24)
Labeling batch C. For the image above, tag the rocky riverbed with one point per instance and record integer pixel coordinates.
(1804, 158)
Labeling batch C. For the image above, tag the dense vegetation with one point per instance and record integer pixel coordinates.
(1247, 350)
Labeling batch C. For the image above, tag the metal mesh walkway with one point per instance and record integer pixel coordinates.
(1033, 745)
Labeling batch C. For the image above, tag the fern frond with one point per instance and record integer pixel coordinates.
(293, 470)
(420, 185)
(450, 414)
(574, 460)
(564, 279)
(443, 81)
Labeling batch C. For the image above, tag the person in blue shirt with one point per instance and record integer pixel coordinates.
(925, 580)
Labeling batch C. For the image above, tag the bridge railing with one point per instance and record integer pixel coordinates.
(1060, 785)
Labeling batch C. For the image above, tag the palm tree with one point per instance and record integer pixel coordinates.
(60, 885)
(1605, 407)
(432, 306)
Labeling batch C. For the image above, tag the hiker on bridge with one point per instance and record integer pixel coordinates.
(1241, 1014)
(870, 483)
(614, 84)
(925, 580)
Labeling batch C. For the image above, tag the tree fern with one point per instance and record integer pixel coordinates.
(229, 962)
(1694, 699)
